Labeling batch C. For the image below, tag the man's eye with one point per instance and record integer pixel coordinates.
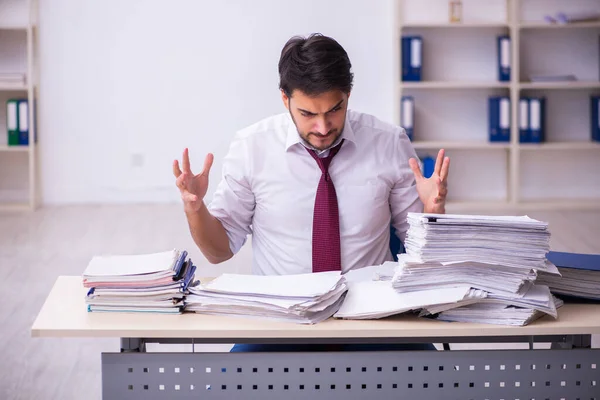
(335, 109)
(306, 115)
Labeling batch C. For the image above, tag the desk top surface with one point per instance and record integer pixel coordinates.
(64, 314)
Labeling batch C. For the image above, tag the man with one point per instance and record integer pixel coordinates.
(317, 186)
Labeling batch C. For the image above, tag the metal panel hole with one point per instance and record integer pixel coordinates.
(348, 386)
(207, 387)
(161, 370)
(177, 387)
(487, 367)
(270, 370)
(547, 366)
(254, 387)
(578, 366)
(578, 383)
(379, 386)
(593, 366)
(130, 370)
(332, 387)
(364, 369)
(208, 370)
(255, 370)
(395, 369)
(191, 387)
(161, 387)
(301, 369)
(379, 369)
(563, 383)
(145, 370)
(130, 387)
(471, 368)
(270, 387)
(471, 384)
(286, 387)
(145, 387)
(517, 384)
(455, 384)
(425, 368)
(317, 369)
(532, 366)
(239, 370)
(317, 387)
(564, 366)
(441, 368)
(593, 383)
(410, 385)
(532, 383)
(239, 387)
(223, 387)
(517, 367)
(410, 369)
(425, 386)
(332, 369)
(457, 368)
(348, 369)
(501, 384)
(177, 370)
(191, 370)
(286, 370)
(547, 383)
(394, 386)
(301, 387)
(502, 367)
(364, 386)
(223, 369)
(440, 385)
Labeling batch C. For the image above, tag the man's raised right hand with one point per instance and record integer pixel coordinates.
(193, 188)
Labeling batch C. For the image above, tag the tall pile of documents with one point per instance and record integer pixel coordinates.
(155, 282)
(499, 255)
(300, 298)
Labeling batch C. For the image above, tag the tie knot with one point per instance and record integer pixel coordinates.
(325, 161)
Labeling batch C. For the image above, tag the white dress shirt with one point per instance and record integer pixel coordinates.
(270, 182)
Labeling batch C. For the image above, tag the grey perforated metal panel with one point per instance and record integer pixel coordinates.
(422, 375)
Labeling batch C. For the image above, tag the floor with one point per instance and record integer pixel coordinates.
(37, 247)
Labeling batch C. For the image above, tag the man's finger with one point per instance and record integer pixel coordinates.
(208, 161)
(414, 165)
(176, 170)
(180, 182)
(186, 162)
(438, 162)
(445, 168)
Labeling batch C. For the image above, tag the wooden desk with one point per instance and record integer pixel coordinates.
(133, 373)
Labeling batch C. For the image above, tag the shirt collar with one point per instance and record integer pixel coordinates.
(293, 138)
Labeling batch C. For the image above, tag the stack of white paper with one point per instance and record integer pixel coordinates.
(154, 282)
(499, 255)
(301, 298)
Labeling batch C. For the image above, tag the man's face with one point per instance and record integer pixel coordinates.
(318, 119)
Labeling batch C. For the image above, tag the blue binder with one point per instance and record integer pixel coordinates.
(504, 62)
(499, 119)
(589, 262)
(428, 166)
(595, 116)
(407, 115)
(412, 50)
(23, 122)
(537, 117)
(524, 122)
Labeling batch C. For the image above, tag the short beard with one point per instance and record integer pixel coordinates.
(306, 142)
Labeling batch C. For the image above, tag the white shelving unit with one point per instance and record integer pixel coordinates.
(459, 73)
(18, 43)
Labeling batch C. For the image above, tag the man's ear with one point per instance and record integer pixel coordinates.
(286, 100)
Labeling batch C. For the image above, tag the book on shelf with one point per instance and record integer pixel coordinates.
(499, 119)
(412, 51)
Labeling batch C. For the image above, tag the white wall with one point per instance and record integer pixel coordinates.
(126, 82)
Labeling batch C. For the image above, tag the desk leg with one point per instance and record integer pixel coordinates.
(574, 342)
(133, 345)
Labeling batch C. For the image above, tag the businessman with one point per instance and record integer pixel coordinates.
(318, 185)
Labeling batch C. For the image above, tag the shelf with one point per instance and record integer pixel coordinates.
(454, 85)
(545, 25)
(13, 88)
(561, 85)
(471, 25)
(461, 145)
(560, 146)
(14, 207)
(16, 149)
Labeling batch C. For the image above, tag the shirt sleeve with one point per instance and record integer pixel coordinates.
(403, 197)
(233, 203)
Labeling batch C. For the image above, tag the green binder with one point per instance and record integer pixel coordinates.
(12, 121)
